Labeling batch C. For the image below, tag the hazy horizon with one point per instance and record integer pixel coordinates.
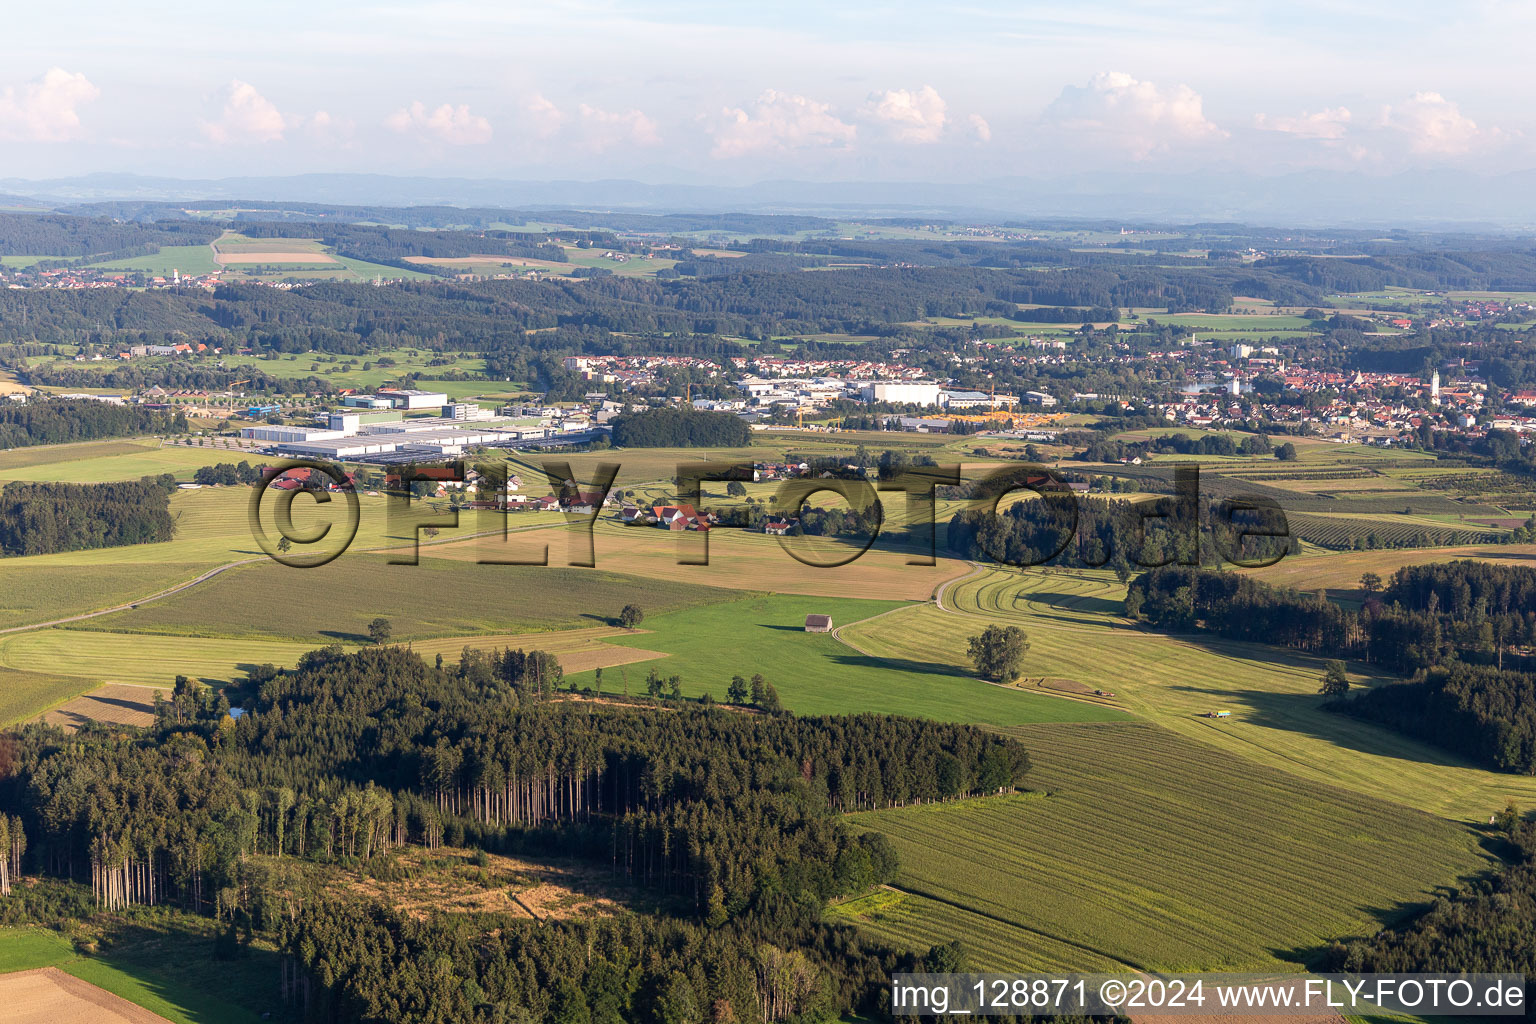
(687, 93)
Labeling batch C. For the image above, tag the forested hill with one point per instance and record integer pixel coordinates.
(23, 234)
(729, 816)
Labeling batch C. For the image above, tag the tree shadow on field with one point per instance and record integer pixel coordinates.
(1304, 713)
(128, 705)
(1076, 603)
(1315, 958)
(345, 637)
(932, 668)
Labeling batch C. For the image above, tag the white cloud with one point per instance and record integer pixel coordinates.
(455, 125)
(44, 110)
(546, 117)
(1435, 125)
(248, 116)
(325, 127)
(1140, 116)
(910, 116)
(981, 131)
(1330, 124)
(778, 122)
(605, 128)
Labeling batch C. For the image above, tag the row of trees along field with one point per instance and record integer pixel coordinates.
(60, 421)
(1074, 530)
(679, 428)
(731, 815)
(1458, 626)
(42, 518)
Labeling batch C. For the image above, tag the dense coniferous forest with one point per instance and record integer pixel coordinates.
(62, 421)
(54, 235)
(679, 428)
(390, 246)
(729, 815)
(42, 518)
(1484, 713)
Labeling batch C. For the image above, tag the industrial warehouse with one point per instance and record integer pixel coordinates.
(375, 428)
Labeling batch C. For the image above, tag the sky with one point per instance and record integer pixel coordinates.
(732, 93)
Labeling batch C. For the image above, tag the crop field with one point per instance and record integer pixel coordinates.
(1340, 571)
(25, 694)
(212, 527)
(437, 598)
(738, 560)
(118, 461)
(1151, 851)
(45, 455)
(49, 996)
(1231, 322)
(233, 242)
(117, 703)
(31, 592)
(816, 674)
(146, 660)
(1343, 532)
(1175, 680)
(189, 259)
(906, 920)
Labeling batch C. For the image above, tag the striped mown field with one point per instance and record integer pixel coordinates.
(1076, 633)
(1140, 848)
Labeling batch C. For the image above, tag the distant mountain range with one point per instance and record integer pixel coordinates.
(1419, 199)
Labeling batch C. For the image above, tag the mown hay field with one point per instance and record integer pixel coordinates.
(152, 660)
(1145, 849)
(1277, 718)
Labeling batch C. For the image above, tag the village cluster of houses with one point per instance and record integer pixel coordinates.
(81, 278)
(845, 369)
(631, 372)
